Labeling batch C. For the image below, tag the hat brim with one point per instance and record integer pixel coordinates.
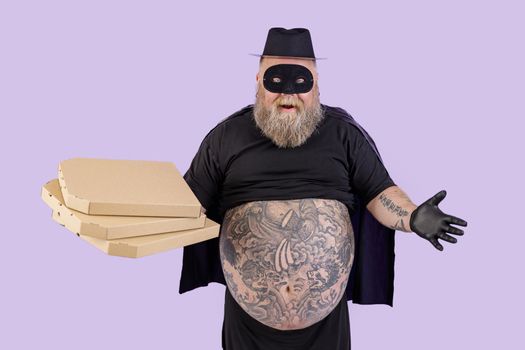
(302, 58)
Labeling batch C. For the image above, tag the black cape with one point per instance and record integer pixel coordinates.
(371, 279)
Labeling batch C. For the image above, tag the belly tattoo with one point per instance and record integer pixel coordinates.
(287, 262)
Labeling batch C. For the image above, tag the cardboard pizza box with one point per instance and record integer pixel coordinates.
(112, 227)
(136, 247)
(126, 188)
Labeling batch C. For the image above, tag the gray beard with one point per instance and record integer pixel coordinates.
(287, 129)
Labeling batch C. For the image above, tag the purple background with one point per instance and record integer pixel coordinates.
(436, 84)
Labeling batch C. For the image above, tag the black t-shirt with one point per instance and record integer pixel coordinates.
(236, 163)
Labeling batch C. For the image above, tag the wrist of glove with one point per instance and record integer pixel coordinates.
(430, 223)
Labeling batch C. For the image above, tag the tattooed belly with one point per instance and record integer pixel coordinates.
(287, 262)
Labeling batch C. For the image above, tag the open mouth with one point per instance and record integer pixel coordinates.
(287, 107)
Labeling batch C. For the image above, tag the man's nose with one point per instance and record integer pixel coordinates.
(288, 89)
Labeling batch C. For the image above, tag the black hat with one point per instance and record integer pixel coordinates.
(294, 42)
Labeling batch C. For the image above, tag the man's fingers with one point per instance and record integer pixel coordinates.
(447, 238)
(453, 230)
(436, 244)
(455, 220)
(438, 197)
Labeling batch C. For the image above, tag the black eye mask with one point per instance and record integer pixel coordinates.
(288, 79)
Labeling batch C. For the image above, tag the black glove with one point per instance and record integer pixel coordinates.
(429, 222)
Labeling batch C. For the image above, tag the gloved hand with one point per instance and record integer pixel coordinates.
(429, 222)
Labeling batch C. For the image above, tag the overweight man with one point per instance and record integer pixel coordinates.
(307, 210)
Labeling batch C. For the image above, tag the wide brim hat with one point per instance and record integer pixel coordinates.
(293, 43)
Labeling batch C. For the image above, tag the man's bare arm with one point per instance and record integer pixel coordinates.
(392, 208)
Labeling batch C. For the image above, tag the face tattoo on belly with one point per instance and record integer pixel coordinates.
(287, 262)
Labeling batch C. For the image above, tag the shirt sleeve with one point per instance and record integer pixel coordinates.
(204, 176)
(368, 175)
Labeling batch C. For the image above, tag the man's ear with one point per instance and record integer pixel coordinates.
(257, 77)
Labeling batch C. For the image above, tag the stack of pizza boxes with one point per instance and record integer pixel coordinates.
(127, 208)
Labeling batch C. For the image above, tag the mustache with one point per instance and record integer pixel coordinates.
(287, 100)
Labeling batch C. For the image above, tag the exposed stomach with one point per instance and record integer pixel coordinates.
(287, 262)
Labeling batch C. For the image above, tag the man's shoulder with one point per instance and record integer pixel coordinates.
(218, 131)
(340, 118)
(339, 114)
(240, 113)
(344, 119)
(237, 116)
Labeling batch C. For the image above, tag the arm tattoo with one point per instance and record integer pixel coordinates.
(287, 262)
(399, 226)
(391, 206)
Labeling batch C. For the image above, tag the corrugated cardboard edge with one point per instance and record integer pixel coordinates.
(67, 214)
(72, 201)
(129, 209)
(102, 232)
(183, 238)
(124, 231)
(98, 243)
(55, 204)
(130, 250)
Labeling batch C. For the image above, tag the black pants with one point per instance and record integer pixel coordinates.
(240, 331)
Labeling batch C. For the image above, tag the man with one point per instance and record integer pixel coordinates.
(307, 211)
